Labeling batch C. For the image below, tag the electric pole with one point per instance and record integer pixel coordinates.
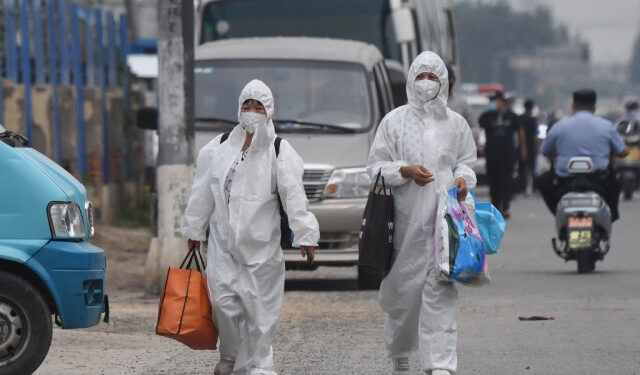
(176, 133)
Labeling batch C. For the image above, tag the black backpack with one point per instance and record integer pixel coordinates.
(286, 235)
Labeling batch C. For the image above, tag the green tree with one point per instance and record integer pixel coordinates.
(489, 32)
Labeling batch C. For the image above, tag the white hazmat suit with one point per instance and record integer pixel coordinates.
(421, 312)
(245, 265)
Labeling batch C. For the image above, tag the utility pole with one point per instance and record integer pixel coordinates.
(176, 133)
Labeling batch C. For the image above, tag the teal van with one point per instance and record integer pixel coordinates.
(47, 265)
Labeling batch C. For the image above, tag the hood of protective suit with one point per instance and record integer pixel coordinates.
(258, 90)
(428, 62)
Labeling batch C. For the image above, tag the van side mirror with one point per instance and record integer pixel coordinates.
(403, 25)
(147, 118)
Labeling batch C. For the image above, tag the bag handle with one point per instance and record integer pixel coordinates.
(380, 176)
(191, 255)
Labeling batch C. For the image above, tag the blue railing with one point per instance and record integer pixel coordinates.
(64, 57)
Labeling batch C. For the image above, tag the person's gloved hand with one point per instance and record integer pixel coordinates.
(193, 245)
(462, 188)
(417, 173)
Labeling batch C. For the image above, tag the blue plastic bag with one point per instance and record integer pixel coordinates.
(490, 225)
(458, 252)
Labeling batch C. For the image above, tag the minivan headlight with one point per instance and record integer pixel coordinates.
(66, 220)
(348, 183)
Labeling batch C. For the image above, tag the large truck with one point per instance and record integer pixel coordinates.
(47, 264)
(401, 29)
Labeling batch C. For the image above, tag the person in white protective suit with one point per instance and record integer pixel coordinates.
(422, 148)
(235, 194)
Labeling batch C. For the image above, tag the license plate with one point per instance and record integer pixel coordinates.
(580, 222)
(580, 239)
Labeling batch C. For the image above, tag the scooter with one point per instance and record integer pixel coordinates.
(583, 220)
(629, 167)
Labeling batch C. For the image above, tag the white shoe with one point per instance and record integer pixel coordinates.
(440, 372)
(224, 367)
(401, 366)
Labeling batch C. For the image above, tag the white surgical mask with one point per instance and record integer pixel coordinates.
(427, 89)
(251, 121)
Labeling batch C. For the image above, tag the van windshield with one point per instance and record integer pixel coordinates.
(364, 20)
(310, 96)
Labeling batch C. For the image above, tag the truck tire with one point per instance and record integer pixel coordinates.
(369, 278)
(586, 261)
(25, 326)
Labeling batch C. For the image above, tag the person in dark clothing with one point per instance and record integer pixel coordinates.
(528, 148)
(500, 127)
(583, 134)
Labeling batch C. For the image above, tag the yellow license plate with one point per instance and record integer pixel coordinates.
(579, 239)
(580, 222)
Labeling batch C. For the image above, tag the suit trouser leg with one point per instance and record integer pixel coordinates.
(438, 331)
(494, 184)
(506, 183)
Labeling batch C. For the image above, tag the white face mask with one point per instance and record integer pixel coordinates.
(251, 121)
(427, 89)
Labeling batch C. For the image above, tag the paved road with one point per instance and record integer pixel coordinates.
(330, 327)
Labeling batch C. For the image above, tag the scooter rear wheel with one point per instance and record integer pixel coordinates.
(586, 261)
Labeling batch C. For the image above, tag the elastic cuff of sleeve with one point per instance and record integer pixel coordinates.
(194, 236)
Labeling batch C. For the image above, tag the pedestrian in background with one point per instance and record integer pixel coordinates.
(459, 104)
(422, 149)
(500, 127)
(528, 146)
(238, 179)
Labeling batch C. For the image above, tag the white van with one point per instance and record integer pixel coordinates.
(329, 98)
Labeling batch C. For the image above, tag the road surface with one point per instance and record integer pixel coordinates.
(329, 327)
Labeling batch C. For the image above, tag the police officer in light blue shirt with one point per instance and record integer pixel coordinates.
(583, 134)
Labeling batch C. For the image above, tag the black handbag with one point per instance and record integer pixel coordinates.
(376, 233)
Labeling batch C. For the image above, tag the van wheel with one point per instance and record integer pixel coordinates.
(369, 278)
(25, 326)
(586, 261)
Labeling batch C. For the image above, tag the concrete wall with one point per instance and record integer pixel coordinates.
(42, 119)
(93, 123)
(13, 95)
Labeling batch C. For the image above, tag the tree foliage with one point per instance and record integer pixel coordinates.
(488, 31)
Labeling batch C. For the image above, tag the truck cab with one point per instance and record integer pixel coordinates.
(48, 267)
(330, 96)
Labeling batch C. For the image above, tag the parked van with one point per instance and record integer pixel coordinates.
(330, 96)
(47, 265)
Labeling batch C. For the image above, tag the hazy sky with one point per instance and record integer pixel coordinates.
(609, 26)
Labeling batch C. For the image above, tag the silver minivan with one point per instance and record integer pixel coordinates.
(329, 98)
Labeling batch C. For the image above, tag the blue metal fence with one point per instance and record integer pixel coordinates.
(64, 59)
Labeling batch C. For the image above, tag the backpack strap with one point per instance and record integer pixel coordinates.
(225, 136)
(276, 144)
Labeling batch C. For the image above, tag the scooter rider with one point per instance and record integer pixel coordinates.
(583, 134)
(630, 123)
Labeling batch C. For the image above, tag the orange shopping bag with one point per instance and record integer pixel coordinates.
(184, 313)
